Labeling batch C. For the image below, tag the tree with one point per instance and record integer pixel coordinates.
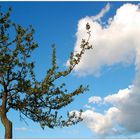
(20, 90)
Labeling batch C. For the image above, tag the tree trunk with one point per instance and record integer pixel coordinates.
(5, 121)
(7, 125)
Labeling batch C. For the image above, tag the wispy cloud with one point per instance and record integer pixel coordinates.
(72, 132)
(102, 13)
(95, 99)
(21, 129)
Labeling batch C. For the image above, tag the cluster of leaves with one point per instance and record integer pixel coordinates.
(38, 101)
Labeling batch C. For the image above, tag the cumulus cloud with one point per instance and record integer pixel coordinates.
(117, 43)
(101, 124)
(124, 112)
(127, 102)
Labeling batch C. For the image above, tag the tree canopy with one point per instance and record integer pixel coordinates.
(20, 90)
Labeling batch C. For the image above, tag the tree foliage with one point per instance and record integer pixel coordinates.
(19, 88)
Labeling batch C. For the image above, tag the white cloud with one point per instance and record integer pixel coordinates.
(128, 102)
(102, 124)
(21, 129)
(118, 43)
(123, 113)
(95, 99)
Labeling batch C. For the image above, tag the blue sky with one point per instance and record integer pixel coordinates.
(58, 22)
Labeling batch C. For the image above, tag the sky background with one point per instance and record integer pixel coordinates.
(106, 69)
